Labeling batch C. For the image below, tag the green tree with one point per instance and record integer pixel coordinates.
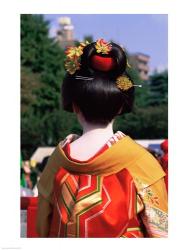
(144, 123)
(29, 83)
(42, 70)
(158, 89)
(34, 41)
(149, 119)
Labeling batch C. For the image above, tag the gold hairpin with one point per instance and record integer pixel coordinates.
(124, 83)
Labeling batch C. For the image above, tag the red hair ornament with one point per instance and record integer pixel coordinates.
(102, 63)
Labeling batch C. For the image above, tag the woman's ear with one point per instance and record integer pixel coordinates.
(76, 108)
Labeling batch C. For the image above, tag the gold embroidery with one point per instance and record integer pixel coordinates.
(156, 221)
(146, 193)
(149, 196)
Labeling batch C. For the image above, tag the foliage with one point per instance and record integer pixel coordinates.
(149, 123)
(29, 83)
(149, 119)
(34, 31)
(42, 73)
(158, 89)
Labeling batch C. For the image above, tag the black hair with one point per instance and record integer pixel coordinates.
(99, 99)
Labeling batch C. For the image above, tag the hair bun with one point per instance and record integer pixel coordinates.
(113, 64)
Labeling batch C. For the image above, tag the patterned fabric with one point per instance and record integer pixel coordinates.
(85, 205)
(154, 215)
(156, 221)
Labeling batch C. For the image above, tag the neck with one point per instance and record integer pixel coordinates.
(98, 129)
(95, 131)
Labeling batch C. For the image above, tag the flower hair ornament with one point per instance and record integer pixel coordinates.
(73, 54)
(103, 47)
(124, 83)
(99, 62)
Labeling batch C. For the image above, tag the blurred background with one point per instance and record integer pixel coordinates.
(43, 41)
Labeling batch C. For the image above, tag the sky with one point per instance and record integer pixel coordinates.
(144, 33)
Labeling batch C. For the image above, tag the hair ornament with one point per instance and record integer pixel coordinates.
(128, 65)
(71, 66)
(84, 78)
(73, 54)
(99, 62)
(124, 83)
(103, 47)
(102, 63)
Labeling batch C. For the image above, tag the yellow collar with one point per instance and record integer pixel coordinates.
(125, 153)
(112, 160)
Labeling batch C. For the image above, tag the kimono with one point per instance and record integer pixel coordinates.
(119, 192)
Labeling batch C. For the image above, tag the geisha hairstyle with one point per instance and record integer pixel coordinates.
(95, 92)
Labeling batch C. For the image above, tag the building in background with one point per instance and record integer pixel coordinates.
(140, 62)
(65, 33)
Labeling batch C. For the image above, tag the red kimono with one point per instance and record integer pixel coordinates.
(93, 205)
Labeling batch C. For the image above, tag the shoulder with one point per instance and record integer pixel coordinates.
(145, 169)
(54, 164)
